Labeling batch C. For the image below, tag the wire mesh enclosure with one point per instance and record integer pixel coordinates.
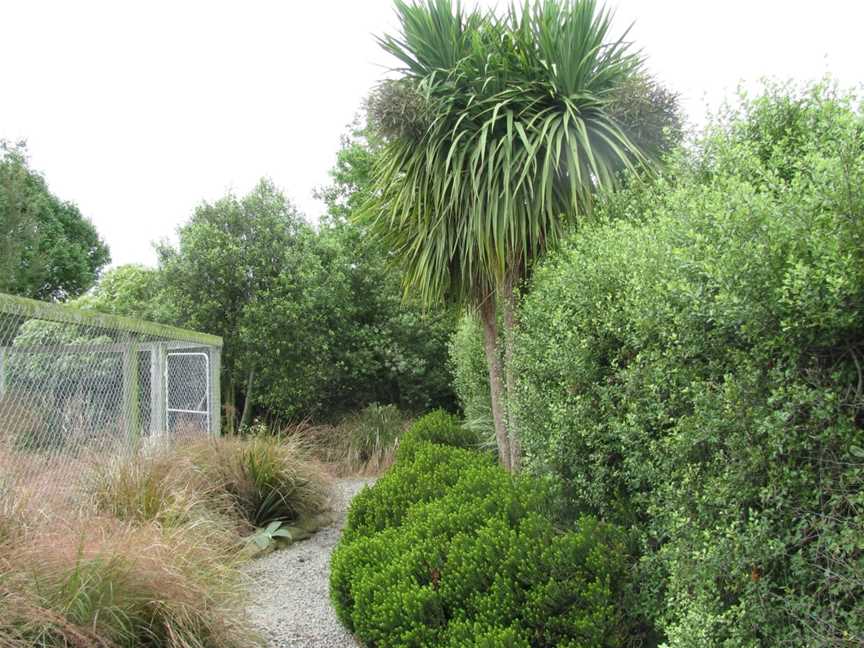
(78, 387)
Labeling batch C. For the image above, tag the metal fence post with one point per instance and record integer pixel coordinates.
(215, 391)
(158, 393)
(131, 401)
(2, 372)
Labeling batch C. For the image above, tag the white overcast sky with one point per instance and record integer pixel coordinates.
(137, 111)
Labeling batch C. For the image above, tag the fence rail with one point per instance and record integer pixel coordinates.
(77, 386)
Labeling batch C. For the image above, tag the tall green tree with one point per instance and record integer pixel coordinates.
(499, 134)
(230, 255)
(391, 350)
(48, 250)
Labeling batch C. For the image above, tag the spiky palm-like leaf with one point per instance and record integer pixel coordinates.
(516, 139)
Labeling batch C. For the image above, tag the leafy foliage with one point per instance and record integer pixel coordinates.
(384, 349)
(692, 369)
(437, 427)
(48, 249)
(131, 290)
(518, 135)
(449, 550)
(313, 322)
(390, 349)
(233, 255)
(649, 114)
(471, 378)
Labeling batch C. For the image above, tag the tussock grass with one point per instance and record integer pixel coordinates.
(157, 486)
(102, 582)
(151, 558)
(240, 482)
(363, 443)
(373, 434)
(262, 479)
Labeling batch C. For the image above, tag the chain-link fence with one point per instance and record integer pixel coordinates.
(79, 387)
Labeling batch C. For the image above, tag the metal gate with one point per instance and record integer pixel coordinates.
(187, 397)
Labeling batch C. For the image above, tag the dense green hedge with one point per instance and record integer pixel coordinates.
(693, 369)
(438, 427)
(447, 549)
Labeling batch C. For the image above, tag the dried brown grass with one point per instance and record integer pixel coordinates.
(102, 582)
(363, 444)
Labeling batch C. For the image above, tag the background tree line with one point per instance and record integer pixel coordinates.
(313, 318)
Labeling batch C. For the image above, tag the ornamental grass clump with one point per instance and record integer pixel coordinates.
(238, 483)
(371, 436)
(156, 485)
(262, 479)
(100, 582)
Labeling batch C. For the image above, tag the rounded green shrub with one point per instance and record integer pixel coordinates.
(468, 560)
(435, 427)
(692, 368)
(435, 471)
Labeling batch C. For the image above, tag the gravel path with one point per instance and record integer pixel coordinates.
(290, 587)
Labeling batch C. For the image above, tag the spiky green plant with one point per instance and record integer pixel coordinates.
(510, 144)
(265, 478)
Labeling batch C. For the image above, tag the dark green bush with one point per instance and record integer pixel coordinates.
(450, 550)
(471, 377)
(433, 471)
(693, 370)
(436, 427)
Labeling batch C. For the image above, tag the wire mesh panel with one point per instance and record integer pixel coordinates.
(188, 404)
(78, 388)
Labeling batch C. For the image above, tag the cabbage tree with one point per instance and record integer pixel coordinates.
(500, 134)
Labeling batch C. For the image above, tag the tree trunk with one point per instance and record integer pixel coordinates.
(496, 388)
(246, 419)
(230, 409)
(509, 332)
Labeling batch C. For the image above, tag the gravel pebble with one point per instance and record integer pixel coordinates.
(290, 588)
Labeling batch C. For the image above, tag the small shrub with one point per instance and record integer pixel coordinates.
(450, 550)
(436, 427)
(467, 361)
(433, 471)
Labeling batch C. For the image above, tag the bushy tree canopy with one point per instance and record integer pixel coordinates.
(48, 249)
(131, 290)
(394, 348)
(231, 257)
